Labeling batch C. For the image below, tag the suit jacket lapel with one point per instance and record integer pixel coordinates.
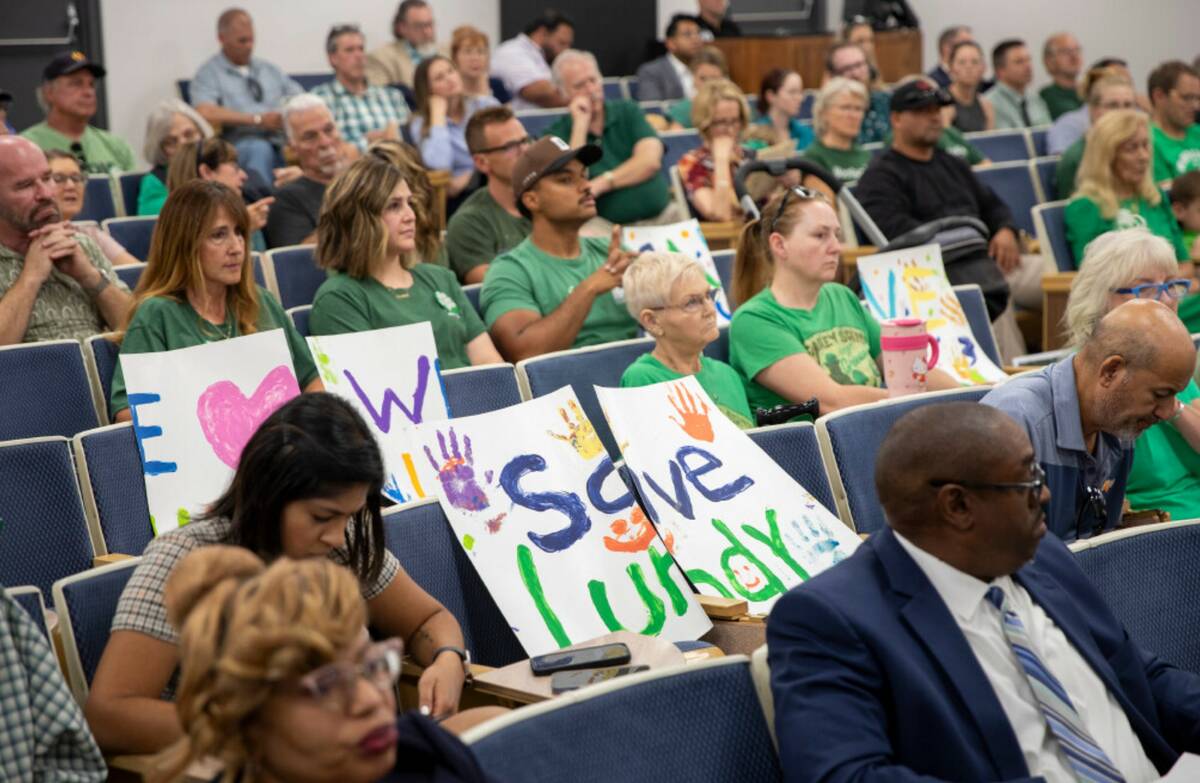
(935, 628)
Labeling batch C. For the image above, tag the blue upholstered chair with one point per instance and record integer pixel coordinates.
(1052, 234)
(1013, 183)
(795, 448)
(296, 274)
(85, 604)
(99, 203)
(473, 390)
(114, 491)
(46, 390)
(133, 233)
(1001, 146)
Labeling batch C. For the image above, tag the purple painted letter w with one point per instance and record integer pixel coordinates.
(383, 416)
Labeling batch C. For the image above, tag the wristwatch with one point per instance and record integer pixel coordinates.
(461, 653)
(94, 291)
(610, 179)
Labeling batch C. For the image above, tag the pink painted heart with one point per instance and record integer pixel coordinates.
(228, 419)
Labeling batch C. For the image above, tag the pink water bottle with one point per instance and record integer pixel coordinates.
(905, 346)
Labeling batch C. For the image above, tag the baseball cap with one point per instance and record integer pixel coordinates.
(918, 94)
(547, 156)
(70, 62)
(5, 96)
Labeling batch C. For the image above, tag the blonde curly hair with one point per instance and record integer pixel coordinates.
(244, 628)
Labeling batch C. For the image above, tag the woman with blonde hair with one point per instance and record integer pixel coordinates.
(171, 124)
(837, 119)
(672, 298)
(797, 334)
(198, 286)
(706, 65)
(1116, 187)
(279, 679)
(366, 237)
(721, 113)
(1135, 264)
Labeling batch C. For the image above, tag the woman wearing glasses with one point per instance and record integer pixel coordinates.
(1116, 187)
(70, 189)
(837, 116)
(720, 112)
(170, 125)
(307, 488)
(798, 334)
(198, 286)
(671, 297)
(1135, 264)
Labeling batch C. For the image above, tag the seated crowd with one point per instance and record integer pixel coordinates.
(242, 634)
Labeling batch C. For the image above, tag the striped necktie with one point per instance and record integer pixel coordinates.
(1087, 759)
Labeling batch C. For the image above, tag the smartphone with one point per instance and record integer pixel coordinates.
(583, 658)
(562, 682)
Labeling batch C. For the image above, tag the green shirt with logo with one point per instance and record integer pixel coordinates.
(1173, 157)
(102, 152)
(1084, 223)
(347, 304)
(846, 165)
(721, 381)
(480, 230)
(528, 278)
(838, 333)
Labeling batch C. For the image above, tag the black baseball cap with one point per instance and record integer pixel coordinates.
(70, 62)
(546, 156)
(5, 96)
(918, 94)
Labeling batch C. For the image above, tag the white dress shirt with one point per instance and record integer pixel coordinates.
(980, 622)
(685, 76)
(519, 62)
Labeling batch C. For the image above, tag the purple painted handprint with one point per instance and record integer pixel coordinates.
(457, 474)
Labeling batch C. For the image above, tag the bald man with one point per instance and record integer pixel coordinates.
(1084, 412)
(55, 283)
(901, 663)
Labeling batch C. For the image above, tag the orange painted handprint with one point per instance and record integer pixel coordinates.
(952, 308)
(695, 419)
(580, 432)
(632, 535)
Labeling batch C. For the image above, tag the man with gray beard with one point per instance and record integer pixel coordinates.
(55, 283)
(1084, 412)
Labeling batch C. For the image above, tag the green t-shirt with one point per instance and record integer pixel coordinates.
(681, 112)
(480, 230)
(1173, 157)
(527, 278)
(847, 165)
(837, 332)
(717, 378)
(165, 324)
(103, 152)
(953, 141)
(1068, 168)
(345, 304)
(1166, 469)
(1060, 100)
(1084, 223)
(624, 127)
(152, 194)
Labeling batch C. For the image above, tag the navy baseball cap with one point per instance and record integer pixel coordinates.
(70, 62)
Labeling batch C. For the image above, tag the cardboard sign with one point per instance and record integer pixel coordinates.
(685, 238)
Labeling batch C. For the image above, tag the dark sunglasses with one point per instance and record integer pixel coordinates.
(1033, 486)
(511, 146)
(256, 90)
(801, 193)
(1094, 502)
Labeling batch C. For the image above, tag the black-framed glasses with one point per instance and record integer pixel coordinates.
(800, 192)
(1173, 289)
(507, 148)
(255, 88)
(693, 304)
(1033, 486)
(1094, 502)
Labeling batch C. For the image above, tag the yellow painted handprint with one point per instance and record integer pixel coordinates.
(580, 432)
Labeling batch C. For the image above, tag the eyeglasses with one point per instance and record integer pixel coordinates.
(256, 90)
(800, 192)
(62, 179)
(508, 148)
(735, 122)
(1172, 289)
(1094, 502)
(332, 686)
(693, 304)
(845, 69)
(1033, 487)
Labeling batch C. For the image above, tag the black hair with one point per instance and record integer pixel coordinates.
(954, 49)
(771, 82)
(550, 20)
(1000, 51)
(678, 19)
(314, 445)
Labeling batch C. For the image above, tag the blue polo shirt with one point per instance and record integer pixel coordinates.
(1046, 405)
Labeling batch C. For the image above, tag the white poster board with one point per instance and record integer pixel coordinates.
(736, 522)
(685, 238)
(393, 379)
(912, 283)
(554, 533)
(194, 410)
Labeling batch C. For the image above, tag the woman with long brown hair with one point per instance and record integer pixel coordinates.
(439, 123)
(198, 286)
(216, 160)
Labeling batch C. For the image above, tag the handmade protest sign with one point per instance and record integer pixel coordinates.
(736, 522)
(552, 530)
(392, 377)
(194, 410)
(912, 283)
(685, 238)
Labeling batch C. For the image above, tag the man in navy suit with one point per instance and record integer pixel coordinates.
(963, 643)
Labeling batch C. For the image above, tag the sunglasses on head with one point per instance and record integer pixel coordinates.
(801, 193)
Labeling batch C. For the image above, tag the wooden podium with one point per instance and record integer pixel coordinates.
(898, 52)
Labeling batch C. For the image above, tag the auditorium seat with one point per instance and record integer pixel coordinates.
(1037, 140)
(296, 274)
(1043, 176)
(536, 121)
(474, 390)
(806, 105)
(85, 604)
(299, 316)
(675, 144)
(130, 274)
(1052, 234)
(614, 90)
(129, 185)
(132, 233)
(30, 599)
(1001, 146)
(723, 260)
(1013, 183)
(795, 448)
(631, 87)
(970, 297)
(46, 390)
(472, 293)
(99, 203)
(101, 353)
(114, 490)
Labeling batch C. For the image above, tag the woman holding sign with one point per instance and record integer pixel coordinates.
(199, 286)
(366, 236)
(800, 335)
(308, 485)
(670, 296)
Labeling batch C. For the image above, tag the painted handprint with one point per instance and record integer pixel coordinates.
(580, 432)
(694, 419)
(953, 309)
(632, 535)
(457, 474)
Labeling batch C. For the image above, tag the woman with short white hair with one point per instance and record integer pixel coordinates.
(672, 298)
(171, 124)
(1136, 264)
(837, 119)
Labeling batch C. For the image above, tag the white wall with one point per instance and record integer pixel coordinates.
(149, 44)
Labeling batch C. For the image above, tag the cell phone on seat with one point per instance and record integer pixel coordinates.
(582, 658)
(562, 682)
